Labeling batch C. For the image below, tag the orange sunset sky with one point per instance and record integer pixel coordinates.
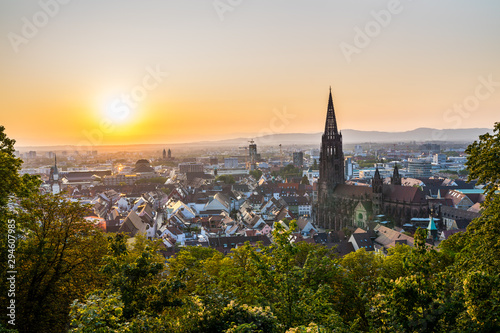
(233, 65)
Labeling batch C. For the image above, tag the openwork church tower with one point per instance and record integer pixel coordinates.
(331, 164)
(331, 158)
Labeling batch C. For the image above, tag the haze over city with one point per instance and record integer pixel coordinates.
(178, 71)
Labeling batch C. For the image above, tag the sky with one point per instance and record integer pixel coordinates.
(105, 72)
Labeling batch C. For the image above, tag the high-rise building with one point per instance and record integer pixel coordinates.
(439, 158)
(231, 162)
(419, 169)
(348, 168)
(252, 155)
(298, 159)
(190, 167)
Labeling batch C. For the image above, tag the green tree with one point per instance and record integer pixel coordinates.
(315, 165)
(421, 299)
(304, 180)
(481, 249)
(256, 174)
(58, 255)
(199, 268)
(226, 179)
(136, 296)
(482, 162)
(290, 171)
(296, 294)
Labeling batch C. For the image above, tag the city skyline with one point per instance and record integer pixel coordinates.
(148, 73)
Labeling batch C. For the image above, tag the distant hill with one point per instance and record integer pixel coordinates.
(349, 136)
(355, 136)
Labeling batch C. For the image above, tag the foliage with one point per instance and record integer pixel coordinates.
(134, 294)
(304, 180)
(256, 174)
(57, 253)
(226, 179)
(367, 162)
(288, 171)
(315, 165)
(482, 162)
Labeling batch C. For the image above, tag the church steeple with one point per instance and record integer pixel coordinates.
(331, 160)
(377, 182)
(331, 120)
(396, 178)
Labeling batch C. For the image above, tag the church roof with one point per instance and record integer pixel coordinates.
(403, 193)
(351, 191)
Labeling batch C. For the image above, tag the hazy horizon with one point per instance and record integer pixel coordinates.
(273, 140)
(127, 72)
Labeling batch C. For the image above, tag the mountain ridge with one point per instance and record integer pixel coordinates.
(350, 136)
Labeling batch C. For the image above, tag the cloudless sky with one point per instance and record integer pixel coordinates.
(243, 68)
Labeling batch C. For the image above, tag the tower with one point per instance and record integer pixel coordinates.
(431, 228)
(396, 178)
(164, 154)
(331, 158)
(252, 153)
(54, 178)
(331, 170)
(377, 187)
(169, 154)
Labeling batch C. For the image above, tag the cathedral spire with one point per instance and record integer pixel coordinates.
(396, 178)
(331, 120)
(331, 160)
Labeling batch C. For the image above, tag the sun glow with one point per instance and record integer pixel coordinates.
(118, 111)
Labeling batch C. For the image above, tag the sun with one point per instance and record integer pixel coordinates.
(118, 111)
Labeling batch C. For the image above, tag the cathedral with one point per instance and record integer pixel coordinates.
(342, 205)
